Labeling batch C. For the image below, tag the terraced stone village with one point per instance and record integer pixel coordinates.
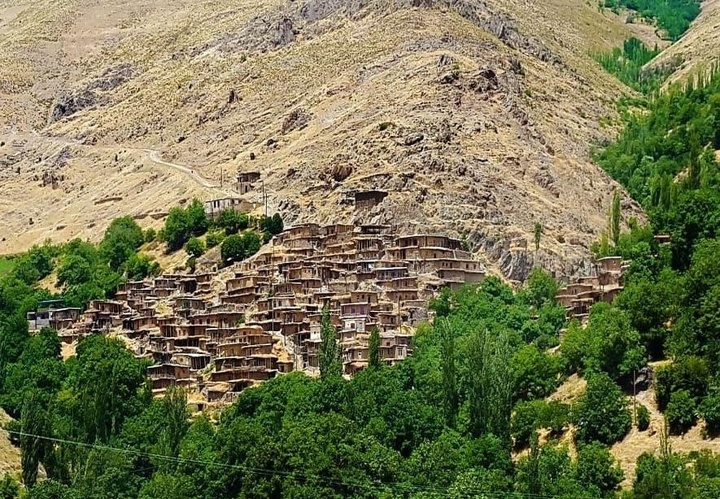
(218, 332)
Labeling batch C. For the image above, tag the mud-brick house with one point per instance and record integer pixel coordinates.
(53, 314)
(168, 374)
(355, 358)
(214, 207)
(105, 314)
(394, 347)
(193, 358)
(246, 181)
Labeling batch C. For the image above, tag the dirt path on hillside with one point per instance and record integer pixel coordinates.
(153, 155)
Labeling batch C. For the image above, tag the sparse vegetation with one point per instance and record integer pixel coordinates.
(627, 64)
(673, 16)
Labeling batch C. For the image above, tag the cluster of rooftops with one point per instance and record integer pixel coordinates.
(217, 332)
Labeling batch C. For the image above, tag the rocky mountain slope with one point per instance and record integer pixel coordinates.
(476, 117)
(699, 48)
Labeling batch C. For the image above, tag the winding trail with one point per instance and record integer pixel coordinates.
(155, 156)
(152, 154)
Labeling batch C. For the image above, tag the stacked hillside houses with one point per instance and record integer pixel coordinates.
(604, 284)
(216, 333)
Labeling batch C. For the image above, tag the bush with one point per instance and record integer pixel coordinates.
(690, 373)
(182, 224)
(681, 412)
(232, 222)
(530, 416)
(150, 235)
(122, 238)
(194, 247)
(602, 414)
(596, 468)
(140, 266)
(272, 225)
(710, 411)
(642, 417)
(535, 373)
(213, 239)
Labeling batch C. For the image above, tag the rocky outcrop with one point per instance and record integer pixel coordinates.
(90, 94)
(280, 27)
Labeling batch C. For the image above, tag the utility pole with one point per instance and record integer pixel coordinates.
(264, 197)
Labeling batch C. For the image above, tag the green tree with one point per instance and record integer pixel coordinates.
(329, 357)
(602, 414)
(489, 385)
(681, 412)
(194, 247)
(615, 214)
(537, 235)
(232, 221)
(122, 239)
(232, 249)
(535, 374)
(374, 348)
(448, 366)
(35, 427)
(106, 383)
(175, 405)
(596, 469)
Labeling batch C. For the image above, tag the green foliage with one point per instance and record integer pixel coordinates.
(650, 303)
(183, 223)
(150, 235)
(681, 412)
(608, 344)
(530, 416)
(272, 225)
(9, 488)
(194, 247)
(232, 222)
(374, 349)
(710, 411)
(642, 417)
(673, 16)
(236, 248)
(214, 238)
(537, 234)
(7, 264)
(602, 414)
(690, 374)
(535, 374)
(490, 384)
(597, 469)
(329, 356)
(140, 266)
(122, 239)
(614, 222)
(627, 64)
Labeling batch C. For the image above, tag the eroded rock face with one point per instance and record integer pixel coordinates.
(278, 28)
(69, 103)
(91, 93)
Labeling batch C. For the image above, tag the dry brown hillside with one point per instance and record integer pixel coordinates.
(475, 116)
(700, 46)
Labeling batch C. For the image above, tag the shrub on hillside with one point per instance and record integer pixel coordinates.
(194, 247)
(602, 414)
(710, 411)
(689, 373)
(642, 417)
(681, 412)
